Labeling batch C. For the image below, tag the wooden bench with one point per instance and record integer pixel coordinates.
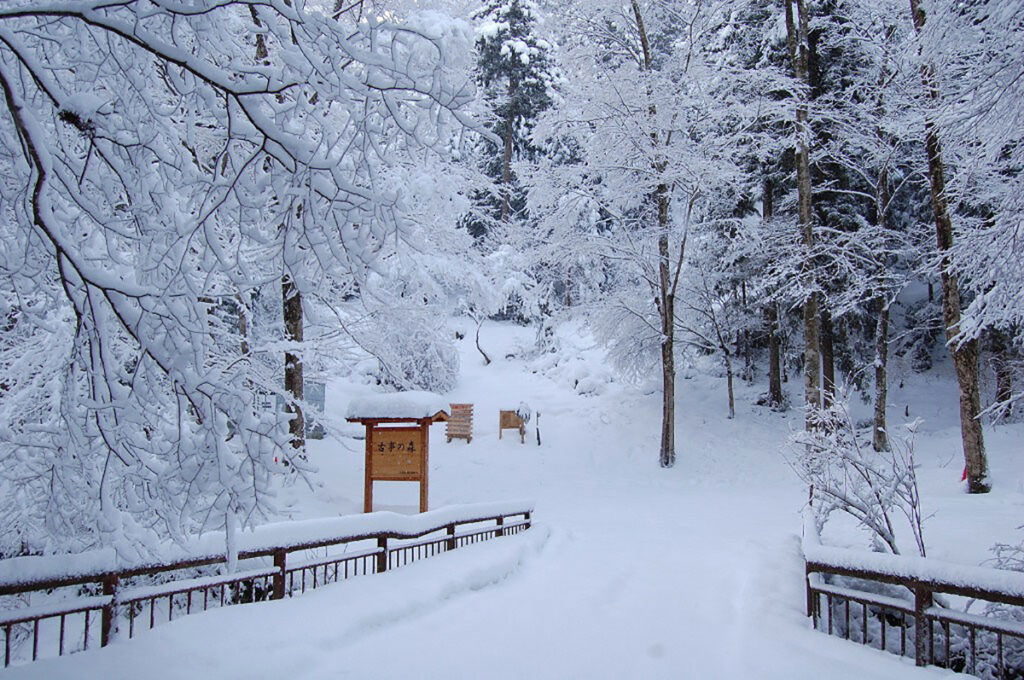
(460, 423)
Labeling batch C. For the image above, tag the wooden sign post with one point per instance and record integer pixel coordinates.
(397, 454)
(397, 450)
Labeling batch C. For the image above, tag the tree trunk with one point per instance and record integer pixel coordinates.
(667, 455)
(828, 359)
(774, 372)
(965, 353)
(797, 40)
(745, 340)
(292, 299)
(879, 437)
(665, 297)
(879, 430)
(999, 345)
(243, 324)
(772, 311)
(506, 160)
(487, 359)
(728, 383)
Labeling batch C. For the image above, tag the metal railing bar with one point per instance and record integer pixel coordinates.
(29, 614)
(172, 588)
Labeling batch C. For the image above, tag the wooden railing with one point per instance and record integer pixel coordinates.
(914, 618)
(383, 541)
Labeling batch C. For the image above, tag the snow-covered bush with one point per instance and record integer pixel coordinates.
(413, 348)
(634, 345)
(1007, 556)
(843, 472)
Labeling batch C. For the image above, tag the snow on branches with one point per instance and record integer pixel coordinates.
(158, 160)
(843, 472)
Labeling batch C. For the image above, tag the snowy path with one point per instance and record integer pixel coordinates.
(629, 572)
(683, 585)
(682, 588)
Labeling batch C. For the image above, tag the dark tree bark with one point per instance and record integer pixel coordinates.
(292, 299)
(745, 341)
(879, 436)
(291, 302)
(667, 315)
(879, 430)
(243, 324)
(964, 352)
(479, 325)
(1002, 357)
(728, 376)
(772, 311)
(668, 280)
(797, 41)
(828, 359)
(506, 159)
(774, 360)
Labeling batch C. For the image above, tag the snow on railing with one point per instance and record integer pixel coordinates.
(42, 574)
(969, 643)
(945, 576)
(262, 540)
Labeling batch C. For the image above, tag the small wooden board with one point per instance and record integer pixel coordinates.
(460, 423)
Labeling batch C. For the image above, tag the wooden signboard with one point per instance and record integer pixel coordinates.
(398, 454)
(397, 450)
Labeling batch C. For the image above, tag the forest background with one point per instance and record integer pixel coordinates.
(209, 205)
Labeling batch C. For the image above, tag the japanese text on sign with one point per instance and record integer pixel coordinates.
(396, 453)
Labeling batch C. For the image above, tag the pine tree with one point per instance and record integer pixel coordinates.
(517, 72)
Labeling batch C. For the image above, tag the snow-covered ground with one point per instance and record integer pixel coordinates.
(630, 571)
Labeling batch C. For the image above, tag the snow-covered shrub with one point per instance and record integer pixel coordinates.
(1006, 556)
(634, 345)
(413, 348)
(843, 472)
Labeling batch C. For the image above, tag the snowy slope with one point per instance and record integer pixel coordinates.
(630, 571)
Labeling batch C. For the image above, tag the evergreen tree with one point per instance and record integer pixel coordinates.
(517, 74)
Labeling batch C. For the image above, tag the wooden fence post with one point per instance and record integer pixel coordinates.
(501, 524)
(922, 601)
(280, 562)
(450, 543)
(109, 611)
(810, 595)
(526, 516)
(382, 557)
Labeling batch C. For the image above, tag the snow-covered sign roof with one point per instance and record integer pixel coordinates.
(413, 405)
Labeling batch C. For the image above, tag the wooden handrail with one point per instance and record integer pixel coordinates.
(944, 577)
(275, 542)
(442, 519)
(923, 578)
